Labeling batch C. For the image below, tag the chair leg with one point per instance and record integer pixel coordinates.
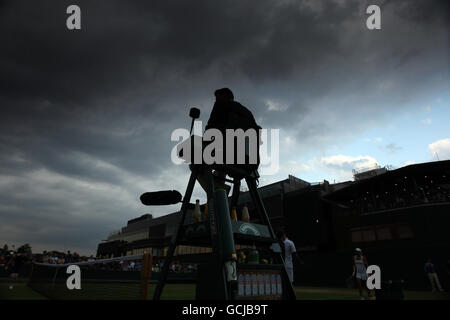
(174, 240)
(215, 226)
(265, 219)
(236, 192)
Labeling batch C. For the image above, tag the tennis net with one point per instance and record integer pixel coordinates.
(121, 278)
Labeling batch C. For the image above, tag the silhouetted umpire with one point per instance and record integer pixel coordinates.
(230, 114)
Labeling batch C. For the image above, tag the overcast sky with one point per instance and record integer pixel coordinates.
(86, 116)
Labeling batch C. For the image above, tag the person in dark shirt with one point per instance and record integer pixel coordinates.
(15, 264)
(432, 276)
(228, 114)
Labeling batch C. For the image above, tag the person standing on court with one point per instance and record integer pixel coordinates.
(432, 276)
(360, 265)
(289, 253)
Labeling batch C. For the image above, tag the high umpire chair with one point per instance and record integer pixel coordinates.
(218, 279)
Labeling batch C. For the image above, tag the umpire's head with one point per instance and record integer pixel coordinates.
(224, 94)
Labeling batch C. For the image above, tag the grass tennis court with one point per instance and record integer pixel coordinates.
(187, 292)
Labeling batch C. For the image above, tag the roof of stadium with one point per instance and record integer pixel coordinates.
(413, 169)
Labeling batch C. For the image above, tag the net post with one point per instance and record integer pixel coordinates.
(146, 272)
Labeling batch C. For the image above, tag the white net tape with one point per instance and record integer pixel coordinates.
(100, 261)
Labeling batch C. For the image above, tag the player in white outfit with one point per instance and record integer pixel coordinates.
(360, 265)
(289, 251)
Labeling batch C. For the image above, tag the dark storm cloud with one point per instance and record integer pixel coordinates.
(86, 116)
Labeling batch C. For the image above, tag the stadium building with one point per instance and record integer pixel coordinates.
(152, 235)
(398, 217)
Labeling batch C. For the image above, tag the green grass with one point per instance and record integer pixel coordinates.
(19, 292)
(187, 292)
(320, 293)
(426, 295)
(99, 292)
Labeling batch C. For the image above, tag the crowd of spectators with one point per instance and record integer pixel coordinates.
(176, 267)
(55, 257)
(15, 259)
(399, 193)
(12, 259)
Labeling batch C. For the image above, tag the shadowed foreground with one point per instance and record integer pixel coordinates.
(187, 292)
